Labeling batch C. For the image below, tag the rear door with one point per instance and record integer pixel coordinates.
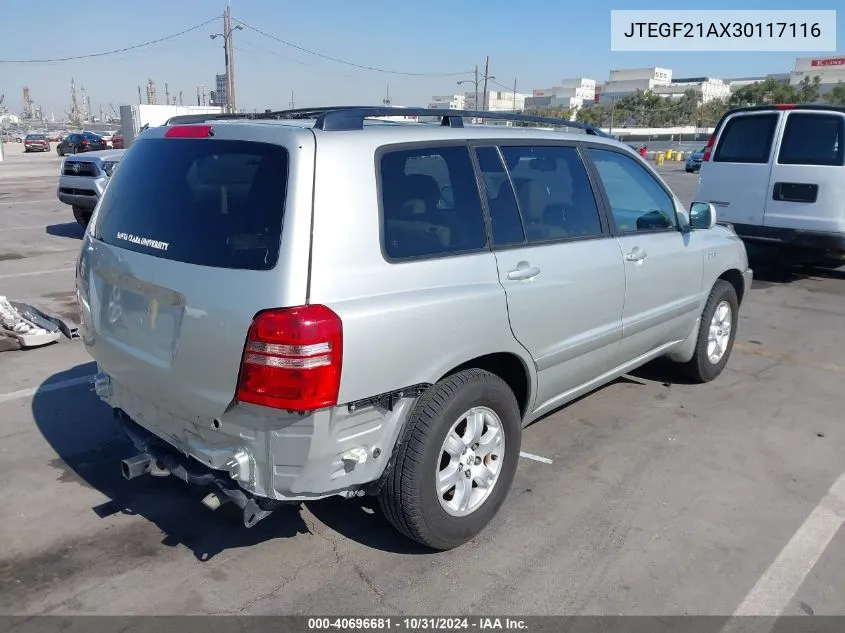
(807, 184)
(736, 178)
(561, 269)
(184, 249)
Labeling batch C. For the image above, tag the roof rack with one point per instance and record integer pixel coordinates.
(344, 118)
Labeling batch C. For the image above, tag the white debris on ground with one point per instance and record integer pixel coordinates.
(12, 321)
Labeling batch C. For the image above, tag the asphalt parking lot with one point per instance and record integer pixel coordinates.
(661, 497)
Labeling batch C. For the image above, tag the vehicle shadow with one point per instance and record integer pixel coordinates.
(68, 229)
(90, 445)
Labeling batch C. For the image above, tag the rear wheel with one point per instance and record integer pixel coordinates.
(716, 334)
(455, 460)
(59, 151)
(83, 216)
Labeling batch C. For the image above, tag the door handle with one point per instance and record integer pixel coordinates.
(523, 271)
(636, 255)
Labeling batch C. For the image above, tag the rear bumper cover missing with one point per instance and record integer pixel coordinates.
(168, 461)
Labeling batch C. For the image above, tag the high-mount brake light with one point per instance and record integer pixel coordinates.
(785, 106)
(292, 359)
(189, 131)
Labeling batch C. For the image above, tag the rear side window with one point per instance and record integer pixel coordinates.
(199, 201)
(746, 139)
(813, 139)
(430, 203)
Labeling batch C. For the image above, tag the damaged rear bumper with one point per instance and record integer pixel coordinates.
(156, 458)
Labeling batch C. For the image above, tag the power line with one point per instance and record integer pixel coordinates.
(347, 63)
(104, 53)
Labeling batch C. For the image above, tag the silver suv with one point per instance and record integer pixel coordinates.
(295, 305)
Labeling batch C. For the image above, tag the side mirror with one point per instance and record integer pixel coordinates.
(702, 215)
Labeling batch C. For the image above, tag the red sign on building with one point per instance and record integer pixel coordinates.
(832, 61)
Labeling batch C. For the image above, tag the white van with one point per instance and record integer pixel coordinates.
(777, 173)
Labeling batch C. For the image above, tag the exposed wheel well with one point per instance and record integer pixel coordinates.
(508, 367)
(734, 277)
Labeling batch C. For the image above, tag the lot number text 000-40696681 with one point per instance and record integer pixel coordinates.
(717, 30)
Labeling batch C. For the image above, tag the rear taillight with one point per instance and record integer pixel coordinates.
(84, 142)
(292, 359)
(708, 149)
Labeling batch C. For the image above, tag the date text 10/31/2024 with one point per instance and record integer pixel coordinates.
(417, 624)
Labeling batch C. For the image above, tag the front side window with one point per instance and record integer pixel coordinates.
(553, 190)
(813, 139)
(637, 201)
(430, 203)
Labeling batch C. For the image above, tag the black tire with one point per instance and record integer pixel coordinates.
(408, 497)
(82, 216)
(700, 368)
(59, 151)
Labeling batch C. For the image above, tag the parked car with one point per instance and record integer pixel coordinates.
(251, 338)
(36, 143)
(694, 161)
(80, 142)
(82, 181)
(777, 173)
(117, 141)
(107, 138)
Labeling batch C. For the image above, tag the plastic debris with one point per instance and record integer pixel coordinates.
(27, 333)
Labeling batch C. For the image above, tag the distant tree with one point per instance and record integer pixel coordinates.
(711, 112)
(836, 96)
(595, 115)
(808, 90)
(768, 91)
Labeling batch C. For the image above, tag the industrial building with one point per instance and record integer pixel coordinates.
(570, 93)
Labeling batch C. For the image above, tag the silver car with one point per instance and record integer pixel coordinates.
(295, 305)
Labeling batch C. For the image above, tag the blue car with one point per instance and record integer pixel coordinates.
(694, 161)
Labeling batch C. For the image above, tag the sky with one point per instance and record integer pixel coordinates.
(533, 43)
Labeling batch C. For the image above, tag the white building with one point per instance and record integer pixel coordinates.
(497, 100)
(630, 80)
(708, 88)
(448, 102)
(570, 93)
(831, 70)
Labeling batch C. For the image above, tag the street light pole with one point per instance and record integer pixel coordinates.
(476, 81)
(229, 57)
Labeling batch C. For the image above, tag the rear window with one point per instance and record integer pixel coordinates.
(813, 139)
(199, 201)
(747, 139)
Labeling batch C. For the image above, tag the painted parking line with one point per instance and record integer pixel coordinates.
(32, 273)
(53, 386)
(787, 359)
(536, 458)
(17, 202)
(23, 228)
(778, 585)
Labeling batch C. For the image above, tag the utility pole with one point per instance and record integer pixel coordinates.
(486, 77)
(387, 100)
(180, 97)
(292, 106)
(476, 87)
(139, 96)
(514, 95)
(229, 56)
(166, 93)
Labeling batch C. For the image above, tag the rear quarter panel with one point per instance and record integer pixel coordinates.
(403, 323)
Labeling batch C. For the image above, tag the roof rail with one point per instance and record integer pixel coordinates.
(344, 118)
(352, 118)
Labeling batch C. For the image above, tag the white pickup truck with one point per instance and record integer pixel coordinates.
(83, 180)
